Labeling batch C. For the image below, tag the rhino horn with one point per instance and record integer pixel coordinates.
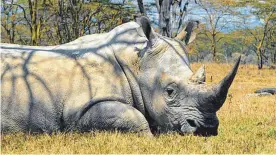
(200, 76)
(221, 89)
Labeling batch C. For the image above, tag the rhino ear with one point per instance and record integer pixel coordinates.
(187, 35)
(146, 27)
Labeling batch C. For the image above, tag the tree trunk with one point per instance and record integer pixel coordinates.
(75, 7)
(34, 27)
(214, 52)
(214, 48)
(13, 24)
(141, 7)
(274, 58)
(165, 18)
(260, 58)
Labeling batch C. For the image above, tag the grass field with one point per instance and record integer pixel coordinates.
(247, 125)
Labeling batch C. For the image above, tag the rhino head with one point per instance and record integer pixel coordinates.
(176, 99)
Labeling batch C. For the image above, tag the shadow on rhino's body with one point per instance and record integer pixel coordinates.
(25, 54)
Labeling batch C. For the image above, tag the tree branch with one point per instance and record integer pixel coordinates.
(24, 13)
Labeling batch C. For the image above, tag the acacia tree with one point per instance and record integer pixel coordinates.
(77, 18)
(51, 22)
(39, 14)
(215, 21)
(29, 13)
(16, 13)
(271, 39)
(264, 35)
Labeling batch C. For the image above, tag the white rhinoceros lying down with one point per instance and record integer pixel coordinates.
(130, 79)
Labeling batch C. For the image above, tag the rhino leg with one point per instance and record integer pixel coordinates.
(114, 116)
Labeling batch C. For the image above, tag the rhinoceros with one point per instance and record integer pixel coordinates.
(130, 79)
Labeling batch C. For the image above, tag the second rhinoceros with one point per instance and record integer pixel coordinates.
(130, 79)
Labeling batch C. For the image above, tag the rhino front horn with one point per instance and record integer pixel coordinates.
(221, 89)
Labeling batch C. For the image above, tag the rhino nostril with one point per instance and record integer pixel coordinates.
(191, 123)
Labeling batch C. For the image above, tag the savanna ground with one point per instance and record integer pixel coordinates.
(247, 125)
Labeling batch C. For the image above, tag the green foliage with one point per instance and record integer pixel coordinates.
(264, 36)
(59, 21)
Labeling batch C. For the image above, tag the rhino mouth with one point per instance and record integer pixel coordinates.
(206, 132)
(201, 132)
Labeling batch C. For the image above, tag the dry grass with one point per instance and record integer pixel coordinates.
(247, 125)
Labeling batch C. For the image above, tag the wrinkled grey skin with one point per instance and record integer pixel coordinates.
(130, 79)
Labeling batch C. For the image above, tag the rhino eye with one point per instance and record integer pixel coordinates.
(170, 91)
